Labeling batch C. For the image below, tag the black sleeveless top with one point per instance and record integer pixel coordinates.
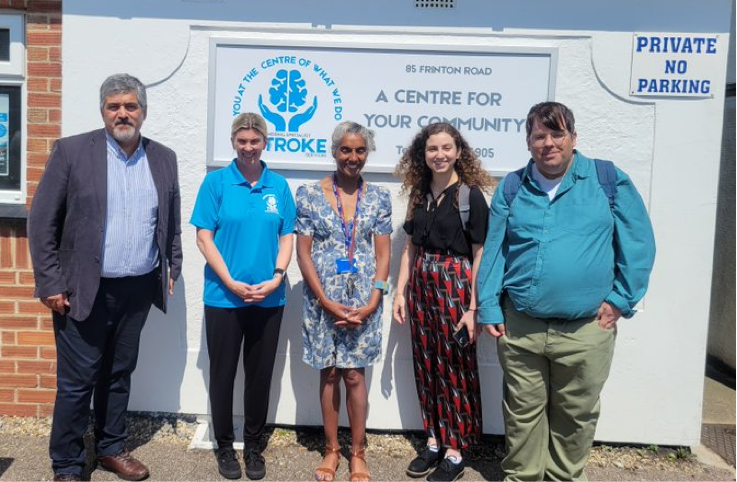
(439, 228)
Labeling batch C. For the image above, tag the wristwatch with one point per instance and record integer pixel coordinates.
(382, 286)
(279, 271)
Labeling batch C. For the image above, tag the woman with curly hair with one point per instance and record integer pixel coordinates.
(437, 275)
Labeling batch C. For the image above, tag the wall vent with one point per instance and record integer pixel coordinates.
(435, 4)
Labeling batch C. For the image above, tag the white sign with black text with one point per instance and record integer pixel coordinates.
(304, 91)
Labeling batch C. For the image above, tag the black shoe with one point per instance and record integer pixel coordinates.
(255, 464)
(447, 471)
(423, 463)
(228, 465)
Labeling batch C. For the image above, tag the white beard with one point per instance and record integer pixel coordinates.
(124, 133)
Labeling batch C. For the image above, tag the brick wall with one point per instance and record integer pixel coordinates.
(27, 353)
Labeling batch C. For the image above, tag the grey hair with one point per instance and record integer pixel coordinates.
(349, 127)
(249, 120)
(123, 84)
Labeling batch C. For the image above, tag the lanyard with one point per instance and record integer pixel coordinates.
(350, 236)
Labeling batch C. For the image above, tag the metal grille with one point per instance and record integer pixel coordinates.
(435, 3)
(719, 438)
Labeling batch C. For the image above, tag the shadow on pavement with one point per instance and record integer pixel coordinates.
(5, 463)
(152, 423)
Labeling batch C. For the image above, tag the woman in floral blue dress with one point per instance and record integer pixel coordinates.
(343, 248)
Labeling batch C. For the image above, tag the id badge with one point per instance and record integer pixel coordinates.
(343, 265)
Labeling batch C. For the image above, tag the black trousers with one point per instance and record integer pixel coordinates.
(256, 329)
(98, 355)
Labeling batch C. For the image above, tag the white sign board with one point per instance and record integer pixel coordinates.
(674, 64)
(304, 91)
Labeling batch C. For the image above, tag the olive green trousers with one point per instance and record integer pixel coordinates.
(554, 371)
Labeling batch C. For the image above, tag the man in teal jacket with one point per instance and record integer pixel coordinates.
(567, 254)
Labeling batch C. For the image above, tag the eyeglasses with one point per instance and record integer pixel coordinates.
(558, 137)
(360, 151)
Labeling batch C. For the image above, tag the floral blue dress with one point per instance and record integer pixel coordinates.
(324, 345)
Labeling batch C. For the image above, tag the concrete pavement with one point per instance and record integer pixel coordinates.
(293, 457)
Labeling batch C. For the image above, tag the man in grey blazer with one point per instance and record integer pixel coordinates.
(104, 234)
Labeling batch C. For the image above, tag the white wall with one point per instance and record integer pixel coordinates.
(670, 147)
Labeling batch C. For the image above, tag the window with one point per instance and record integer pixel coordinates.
(4, 45)
(12, 109)
(10, 136)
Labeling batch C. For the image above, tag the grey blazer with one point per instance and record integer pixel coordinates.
(67, 218)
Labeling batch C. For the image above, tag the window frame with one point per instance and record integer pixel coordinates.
(12, 74)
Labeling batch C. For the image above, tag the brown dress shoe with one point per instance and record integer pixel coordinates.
(124, 466)
(66, 477)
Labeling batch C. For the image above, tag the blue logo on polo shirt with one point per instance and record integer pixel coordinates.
(272, 206)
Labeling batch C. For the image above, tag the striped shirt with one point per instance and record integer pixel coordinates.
(129, 237)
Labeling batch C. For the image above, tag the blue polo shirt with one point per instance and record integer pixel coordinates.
(562, 258)
(247, 222)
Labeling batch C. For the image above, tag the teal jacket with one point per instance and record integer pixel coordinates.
(563, 258)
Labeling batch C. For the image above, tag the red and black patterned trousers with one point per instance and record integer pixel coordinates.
(445, 373)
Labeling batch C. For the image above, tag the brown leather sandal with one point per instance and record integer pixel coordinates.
(359, 476)
(326, 473)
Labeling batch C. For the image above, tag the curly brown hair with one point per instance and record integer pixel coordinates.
(416, 175)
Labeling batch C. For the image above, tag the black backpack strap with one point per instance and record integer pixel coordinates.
(464, 204)
(607, 178)
(512, 183)
(605, 172)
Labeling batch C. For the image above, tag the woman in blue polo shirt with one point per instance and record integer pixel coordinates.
(244, 216)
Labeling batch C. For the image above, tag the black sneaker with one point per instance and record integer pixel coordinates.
(447, 471)
(423, 463)
(255, 464)
(228, 465)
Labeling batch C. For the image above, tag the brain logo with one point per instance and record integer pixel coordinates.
(287, 99)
